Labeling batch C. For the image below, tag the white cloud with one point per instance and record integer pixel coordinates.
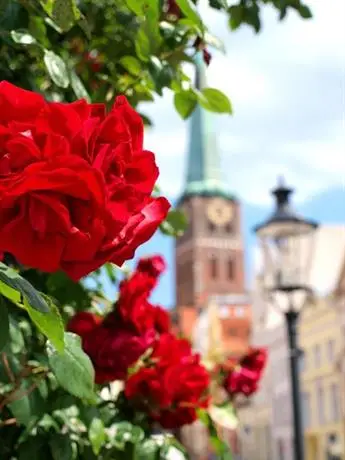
(288, 91)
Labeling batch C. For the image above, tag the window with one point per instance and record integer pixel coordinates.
(334, 403)
(211, 227)
(320, 402)
(213, 267)
(239, 312)
(330, 350)
(317, 356)
(229, 228)
(231, 269)
(306, 409)
(232, 332)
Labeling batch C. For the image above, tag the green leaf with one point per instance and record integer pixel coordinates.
(78, 87)
(33, 448)
(17, 340)
(125, 432)
(97, 435)
(63, 12)
(73, 368)
(131, 64)
(137, 6)
(185, 102)
(60, 446)
(214, 100)
(305, 12)
(4, 324)
(56, 68)
(152, 15)
(148, 450)
(18, 289)
(23, 38)
(38, 29)
(221, 449)
(50, 324)
(142, 44)
(21, 410)
(237, 16)
(175, 223)
(189, 10)
(110, 270)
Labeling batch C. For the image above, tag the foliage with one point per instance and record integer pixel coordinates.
(99, 48)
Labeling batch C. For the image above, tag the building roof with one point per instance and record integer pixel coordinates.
(204, 173)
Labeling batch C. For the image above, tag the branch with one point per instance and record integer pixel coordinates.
(8, 370)
(19, 394)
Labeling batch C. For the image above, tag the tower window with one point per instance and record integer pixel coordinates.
(211, 227)
(213, 267)
(232, 332)
(231, 269)
(229, 228)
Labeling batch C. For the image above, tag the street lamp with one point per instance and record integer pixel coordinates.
(286, 240)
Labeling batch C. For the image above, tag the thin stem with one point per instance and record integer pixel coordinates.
(19, 394)
(7, 367)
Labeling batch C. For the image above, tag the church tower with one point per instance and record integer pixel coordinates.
(210, 254)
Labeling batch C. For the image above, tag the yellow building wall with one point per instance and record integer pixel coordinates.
(319, 327)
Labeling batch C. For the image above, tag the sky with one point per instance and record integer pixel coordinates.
(287, 88)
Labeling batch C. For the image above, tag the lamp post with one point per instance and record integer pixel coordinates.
(286, 241)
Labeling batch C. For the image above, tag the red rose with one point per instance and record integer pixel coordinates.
(83, 323)
(133, 306)
(113, 351)
(170, 350)
(245, 376)
(152, 266)
(173, 9)
(174, 388)
(75, 183)
(255, 359)
(111, 348)
(162, 322)
(146, 387)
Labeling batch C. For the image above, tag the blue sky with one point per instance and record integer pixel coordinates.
(287, 87)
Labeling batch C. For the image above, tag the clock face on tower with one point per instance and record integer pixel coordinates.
(219, 212)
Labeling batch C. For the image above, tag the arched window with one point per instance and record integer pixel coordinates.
(229, 228)
(211, 227)
(231, 269)
(213, 267)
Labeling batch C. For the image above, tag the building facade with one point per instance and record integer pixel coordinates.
(321, 339)
(322, 365)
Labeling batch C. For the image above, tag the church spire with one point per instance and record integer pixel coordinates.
(203, 175)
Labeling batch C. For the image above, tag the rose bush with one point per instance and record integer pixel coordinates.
(170, 383)
(75, 183)
(115, 342)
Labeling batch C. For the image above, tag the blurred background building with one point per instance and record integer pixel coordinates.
(322, 341)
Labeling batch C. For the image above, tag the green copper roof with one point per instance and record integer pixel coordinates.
(204, 175)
